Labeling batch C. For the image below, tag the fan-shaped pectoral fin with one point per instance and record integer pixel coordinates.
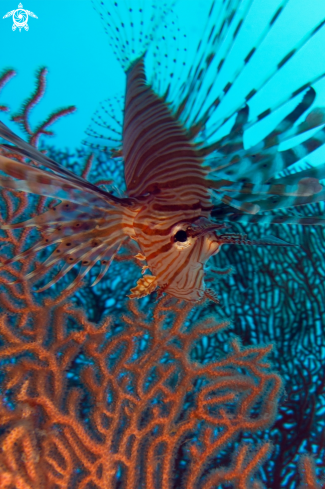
(145, 285)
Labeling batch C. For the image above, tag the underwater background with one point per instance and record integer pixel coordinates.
(58, 349)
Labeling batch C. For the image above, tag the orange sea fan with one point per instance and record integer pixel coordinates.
(89, 406)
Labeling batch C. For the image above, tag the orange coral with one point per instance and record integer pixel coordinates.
(5, 76)
(139, 381)
(307, 472)
(22, 118)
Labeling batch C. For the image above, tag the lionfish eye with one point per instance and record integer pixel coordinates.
(180, 236)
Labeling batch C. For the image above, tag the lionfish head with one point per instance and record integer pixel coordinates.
(177, 263)
(192, 244)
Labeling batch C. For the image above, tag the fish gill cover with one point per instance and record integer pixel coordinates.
(174, 390)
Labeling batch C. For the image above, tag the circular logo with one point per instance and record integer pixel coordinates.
(20, 18)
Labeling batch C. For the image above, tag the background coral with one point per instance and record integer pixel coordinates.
(278, 296)
(108, 406)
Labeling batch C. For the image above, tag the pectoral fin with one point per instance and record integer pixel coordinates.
(145, 285)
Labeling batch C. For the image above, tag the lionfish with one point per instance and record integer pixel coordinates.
(187, 170)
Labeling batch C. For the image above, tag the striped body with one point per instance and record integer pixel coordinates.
(161, 161)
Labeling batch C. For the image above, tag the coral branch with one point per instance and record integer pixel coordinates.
(4, 78)
(139, 413)
(23, 117)
(307, 473)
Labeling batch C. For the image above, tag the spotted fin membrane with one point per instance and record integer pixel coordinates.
(88, 226)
